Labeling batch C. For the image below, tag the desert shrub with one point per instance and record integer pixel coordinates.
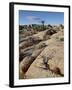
(39, 28)
(49, 26)
(62, 26)
(20, 27)
(62, 39)
(20, 31)
(36, 28)
(57, 71)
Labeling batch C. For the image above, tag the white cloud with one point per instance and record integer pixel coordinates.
(33, 18)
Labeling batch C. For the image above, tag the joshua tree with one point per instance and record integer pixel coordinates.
(43, 24)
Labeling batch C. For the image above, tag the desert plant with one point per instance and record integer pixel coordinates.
(62, 26)
(21, 27)
(43, 24)
(61, 38)
(49, 26)
(57, 71)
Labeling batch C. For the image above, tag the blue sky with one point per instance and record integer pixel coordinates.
(34, 17)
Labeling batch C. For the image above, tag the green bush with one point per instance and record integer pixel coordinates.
(62, 39)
